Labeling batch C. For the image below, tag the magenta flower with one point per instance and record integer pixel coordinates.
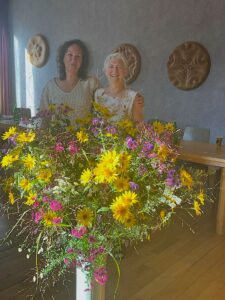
(57, 220)
(70, 264)
(55, 205)
(38, 216)
(79, 232)
(59, 147)
(73, 149)
(101, 275)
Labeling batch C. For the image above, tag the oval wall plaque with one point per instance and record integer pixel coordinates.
(37, 50)
(133, 58)
(188, 65)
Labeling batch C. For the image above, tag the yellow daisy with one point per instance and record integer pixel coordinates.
(7, 160)
(186, 179)
(44, 174)
(82, 136)
(105, 173)
(85, 176)
(129, 198)
(11, 132)
(110, 157)
(130, 220)
(121, 184)
(85, 217)
(25, 184)
(124, 161)
(11, 198)
(31, 198)
(170, 126)
(29, 161)
(48, 218)
(158, 127)
(197, 208)
(25, 137)
(201, 197)
(120, 210)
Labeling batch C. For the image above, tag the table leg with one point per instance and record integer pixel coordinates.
(220, 223)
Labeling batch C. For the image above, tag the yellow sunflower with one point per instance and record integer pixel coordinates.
(85, 217)
(29, 162)
(85, 176)
(11, 132)
(186, 179)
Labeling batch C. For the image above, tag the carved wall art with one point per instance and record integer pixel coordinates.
(133, 58)
(37, 50)
(188, 65)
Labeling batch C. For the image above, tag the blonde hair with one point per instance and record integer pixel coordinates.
(117, 55)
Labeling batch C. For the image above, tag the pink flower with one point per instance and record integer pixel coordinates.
(46, 199)
(101, 275)
(59, 147)
(79, 232)
(73, 149)
(55, 205)
(38, 216)
(36, 204)
(70, 264)
(57, 220)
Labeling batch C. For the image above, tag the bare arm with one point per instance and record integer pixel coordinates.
(137, 109)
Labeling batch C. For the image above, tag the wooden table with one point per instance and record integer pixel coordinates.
(210, 155)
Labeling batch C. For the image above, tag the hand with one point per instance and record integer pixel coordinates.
(139, 101)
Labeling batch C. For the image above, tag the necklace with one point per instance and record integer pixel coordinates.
(120, 94)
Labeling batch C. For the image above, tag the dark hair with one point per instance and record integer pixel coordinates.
(82, 73)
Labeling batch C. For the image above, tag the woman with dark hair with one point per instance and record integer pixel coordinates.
(73, 87)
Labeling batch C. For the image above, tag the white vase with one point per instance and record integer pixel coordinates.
(97, 292)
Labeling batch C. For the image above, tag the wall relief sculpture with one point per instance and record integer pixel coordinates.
(133, 58)
(37, 50)
(189, 65)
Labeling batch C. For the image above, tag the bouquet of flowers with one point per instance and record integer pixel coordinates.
(81, 193)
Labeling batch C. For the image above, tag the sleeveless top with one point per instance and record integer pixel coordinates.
(121, 108)
(79, 99)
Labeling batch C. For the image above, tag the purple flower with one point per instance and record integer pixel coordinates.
(95, 121)
(55, 205)
(131, 143)
(134, 186)
(111, 129)
(147, 147)
(101, 275)
(79, 232)
(59, 147)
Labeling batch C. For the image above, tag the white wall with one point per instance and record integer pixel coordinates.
(155, 27)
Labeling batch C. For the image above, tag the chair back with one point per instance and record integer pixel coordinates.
(196, 134)
(21, 112)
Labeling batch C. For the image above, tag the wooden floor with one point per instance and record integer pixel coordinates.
(175, 265)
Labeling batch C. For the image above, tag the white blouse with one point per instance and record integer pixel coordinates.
(120, 108)
(80, 98)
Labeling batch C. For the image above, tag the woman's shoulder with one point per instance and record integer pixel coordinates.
(90, 81)
(131, 93)
(51, 83)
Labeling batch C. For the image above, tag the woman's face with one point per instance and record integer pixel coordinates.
(115, 70)
(73, 59)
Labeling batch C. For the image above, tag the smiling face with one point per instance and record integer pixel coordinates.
(73, 59)
(115, 70)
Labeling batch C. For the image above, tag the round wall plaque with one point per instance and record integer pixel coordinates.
(188, 65)
(37, 50)
(133, 59)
